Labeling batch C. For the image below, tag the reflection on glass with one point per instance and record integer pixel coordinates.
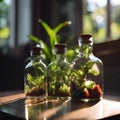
(46, 110)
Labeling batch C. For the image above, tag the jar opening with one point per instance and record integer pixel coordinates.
(86, 38)
(60, 48)
(36, 51)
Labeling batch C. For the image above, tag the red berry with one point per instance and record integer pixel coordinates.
(86, 92)
(95, 92)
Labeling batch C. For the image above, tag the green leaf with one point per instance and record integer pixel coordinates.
(45, 49)
(53, 32)
(46, 27)
(50, 32)
(89, 64)
(70, 55)
(61, 25)
(94, 72)
(34, 38)
(88, 84)
(43, 45)
(53, 38)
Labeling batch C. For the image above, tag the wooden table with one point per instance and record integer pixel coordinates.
(107, 108)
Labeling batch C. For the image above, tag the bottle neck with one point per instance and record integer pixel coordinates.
(36, 58)
(85, 50)
(36, 54)
(60, 57)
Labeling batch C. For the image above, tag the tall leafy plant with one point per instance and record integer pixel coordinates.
(53, 38)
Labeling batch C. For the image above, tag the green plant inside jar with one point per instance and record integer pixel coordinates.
(58, 84)
(85, 74)
(36, 84)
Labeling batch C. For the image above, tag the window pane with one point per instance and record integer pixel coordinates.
(94, 19)
(4, 22)
(115, 19)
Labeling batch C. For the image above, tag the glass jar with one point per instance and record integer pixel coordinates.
(59, 75)
(35, 78)
(87, 72)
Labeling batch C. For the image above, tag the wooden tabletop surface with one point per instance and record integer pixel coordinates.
(107, 107)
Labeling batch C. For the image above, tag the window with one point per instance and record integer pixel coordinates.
(4, 22)
(94, 18)
(115, 19)
(102, 19)
(24, 20)
(15, 22)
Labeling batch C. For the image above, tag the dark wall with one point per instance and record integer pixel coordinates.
(41, 9)
(11, 76)
(12, 67)
(109, 53)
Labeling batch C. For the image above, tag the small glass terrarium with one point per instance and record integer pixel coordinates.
(58, 79)
(87, 72)
(35, 78)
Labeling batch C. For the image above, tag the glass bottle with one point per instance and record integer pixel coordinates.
(35, 78)
(59, 75)
(87, 72)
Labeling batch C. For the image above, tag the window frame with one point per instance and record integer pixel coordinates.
(108, 19)
(13, 24)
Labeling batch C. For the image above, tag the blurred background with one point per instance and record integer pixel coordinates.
(19, 18)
